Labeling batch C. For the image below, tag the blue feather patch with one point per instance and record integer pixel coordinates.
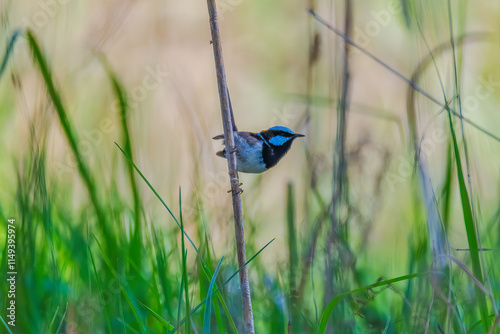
(282, 128)
(265, 141)
(278, 140)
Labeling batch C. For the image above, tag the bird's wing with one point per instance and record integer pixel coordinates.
(251, 138)
(233, 123)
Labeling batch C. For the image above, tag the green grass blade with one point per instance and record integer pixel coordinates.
(329, 308)
(470, 229)
(119, 91)
(208, 305)
(62, 320)
(179, 305)
(218, 317)
(101, 297)
(161, 265)
(184, 269)
(226, 308)
(6, 326)
(218, 314)
(387, 325)
(448, 187)
(470, 226)
(164, 322)
(292, 238)
(68, 130)
(8, 51)
(134, 308)
(478, 323)
(53, 320)
(293, 258)
(157, 196)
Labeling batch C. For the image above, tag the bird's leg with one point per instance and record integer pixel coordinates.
(234, 149)
(240, 192)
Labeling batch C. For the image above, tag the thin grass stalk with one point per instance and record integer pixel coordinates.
(436, 234)
(9, 50)
(135, 246)
(458, 100)
(184, 269)
(313, 54)
(293, 259)
(308, 257)
(63, 317)
(208, 304)
(233, 173)
(338, 232)
(5, 325)
(218, 314)
(435, 227)
(339, 176)
(447, 188)
(179, 306)
(53, 321)
(162, 265)
(472, 237)
(165, 323)
(483, 306)
(101, 295)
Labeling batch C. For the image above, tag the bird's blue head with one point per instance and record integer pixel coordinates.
(277, 141)
(279, 136)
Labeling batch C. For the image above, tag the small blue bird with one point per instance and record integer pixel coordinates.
(257, 152)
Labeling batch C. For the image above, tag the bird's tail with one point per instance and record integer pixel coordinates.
(233, 123)
(231, 111)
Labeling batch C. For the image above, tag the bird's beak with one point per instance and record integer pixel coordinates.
(299, 135)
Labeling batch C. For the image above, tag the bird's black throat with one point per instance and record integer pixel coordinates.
(272, 154)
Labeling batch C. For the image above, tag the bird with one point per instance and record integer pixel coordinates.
(258, 152)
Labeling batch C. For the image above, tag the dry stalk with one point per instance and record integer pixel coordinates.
(233, 173)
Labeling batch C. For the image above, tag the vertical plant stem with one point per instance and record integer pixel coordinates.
(338, 233)
(184, 270)
(233, 173)
(293, 258)
(339, 154)
(135, 248)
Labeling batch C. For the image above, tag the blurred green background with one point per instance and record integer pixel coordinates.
(102, 254)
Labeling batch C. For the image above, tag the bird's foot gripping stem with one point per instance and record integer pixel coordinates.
(240, 191)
